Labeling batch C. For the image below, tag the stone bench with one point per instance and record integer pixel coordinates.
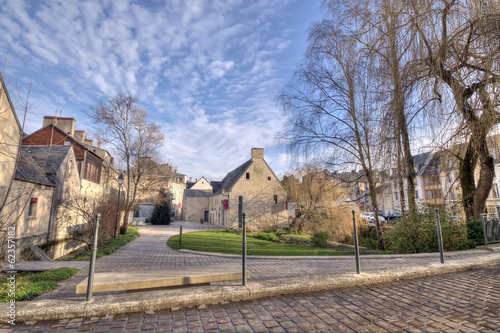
(145, 280)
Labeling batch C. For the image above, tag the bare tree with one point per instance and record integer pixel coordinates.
(330, 108)
(134, 139)
(460, 53)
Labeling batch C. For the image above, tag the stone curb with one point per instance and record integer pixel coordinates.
(351, 257)
(197, 296)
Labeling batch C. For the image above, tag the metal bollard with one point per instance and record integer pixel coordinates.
(440, 238)
(90, 282)
(356, 248)
(180, 238)
(244, 252)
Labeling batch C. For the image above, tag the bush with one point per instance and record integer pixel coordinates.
(371, 243)
(417, 233)
(265, 236)
(162, 213)
(475, 232)
(295, 239)
(320, 239)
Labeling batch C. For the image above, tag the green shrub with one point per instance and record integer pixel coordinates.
(475, 232)
(162, 213)
(320, 238)
(295, 239)
(265, 236)
(417, 233)
(371, 243)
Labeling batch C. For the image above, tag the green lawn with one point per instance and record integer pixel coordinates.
(220, 241)
(29, 285)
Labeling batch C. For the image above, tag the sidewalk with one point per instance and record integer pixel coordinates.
(268, 276)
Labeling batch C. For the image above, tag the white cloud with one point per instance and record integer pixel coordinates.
(205, 69)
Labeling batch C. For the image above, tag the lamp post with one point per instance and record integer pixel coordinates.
(120, 183)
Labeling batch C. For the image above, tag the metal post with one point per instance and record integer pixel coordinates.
(244, 252)
(356, 248)
(118, 212)
(440, 238)
(180, 238)
(485, 235)
(90, 282)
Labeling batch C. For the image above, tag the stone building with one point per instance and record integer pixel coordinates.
(252, 188)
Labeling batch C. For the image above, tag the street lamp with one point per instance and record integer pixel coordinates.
(120, 183)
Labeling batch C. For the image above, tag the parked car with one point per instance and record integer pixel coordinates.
(370, 217)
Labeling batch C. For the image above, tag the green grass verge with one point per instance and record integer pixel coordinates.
(29, 285)
(220, 241)
(111, 245)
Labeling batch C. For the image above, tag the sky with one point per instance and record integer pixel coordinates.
(207, 72)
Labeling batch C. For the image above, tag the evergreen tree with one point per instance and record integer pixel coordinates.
(162, 213)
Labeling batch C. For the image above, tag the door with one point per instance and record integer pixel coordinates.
(206, 216)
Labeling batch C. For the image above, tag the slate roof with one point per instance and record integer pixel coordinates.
(215, 186)
(232, 177)
(197, 194)
(39, 164)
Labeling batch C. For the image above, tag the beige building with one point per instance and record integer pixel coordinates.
(196, 203)
(252, 188)
(46, 177)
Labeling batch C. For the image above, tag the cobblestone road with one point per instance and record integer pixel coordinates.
(150, 251)
(459, 302)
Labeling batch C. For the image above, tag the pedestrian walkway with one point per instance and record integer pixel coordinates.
(150, 251)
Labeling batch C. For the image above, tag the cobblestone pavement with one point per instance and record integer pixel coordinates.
(459, 302)
(150, 251)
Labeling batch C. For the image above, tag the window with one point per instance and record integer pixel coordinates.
(275, 198)
(32, 209)
(67, 142)
(395, 195)
(92, 172)
(416, 194)
(268, 178)
(248, 175)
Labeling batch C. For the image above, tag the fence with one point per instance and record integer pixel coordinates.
(491, 227)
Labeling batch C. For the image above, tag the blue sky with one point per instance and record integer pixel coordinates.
(207, 72)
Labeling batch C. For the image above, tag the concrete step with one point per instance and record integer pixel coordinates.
(155, 279)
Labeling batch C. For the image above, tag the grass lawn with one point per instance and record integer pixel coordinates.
(220, 241)
(29, 285)
(111, 245)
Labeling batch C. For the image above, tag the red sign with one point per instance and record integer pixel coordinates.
(226, 204)
(34, 200)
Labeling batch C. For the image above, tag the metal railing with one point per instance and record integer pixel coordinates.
(491, 227)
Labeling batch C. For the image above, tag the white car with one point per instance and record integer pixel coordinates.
(370, 217)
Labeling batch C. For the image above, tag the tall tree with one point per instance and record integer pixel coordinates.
(329, 106)
(460, 53)
(134, 139)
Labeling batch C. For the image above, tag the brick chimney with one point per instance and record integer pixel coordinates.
(65, 124)
(257, 154)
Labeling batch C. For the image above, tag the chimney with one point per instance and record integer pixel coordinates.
(99, 144)
(80, 135)
(89, 142)
(67, 125)
(257, 154)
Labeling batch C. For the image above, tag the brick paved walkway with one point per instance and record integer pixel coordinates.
(458, 302)
(150, 251)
